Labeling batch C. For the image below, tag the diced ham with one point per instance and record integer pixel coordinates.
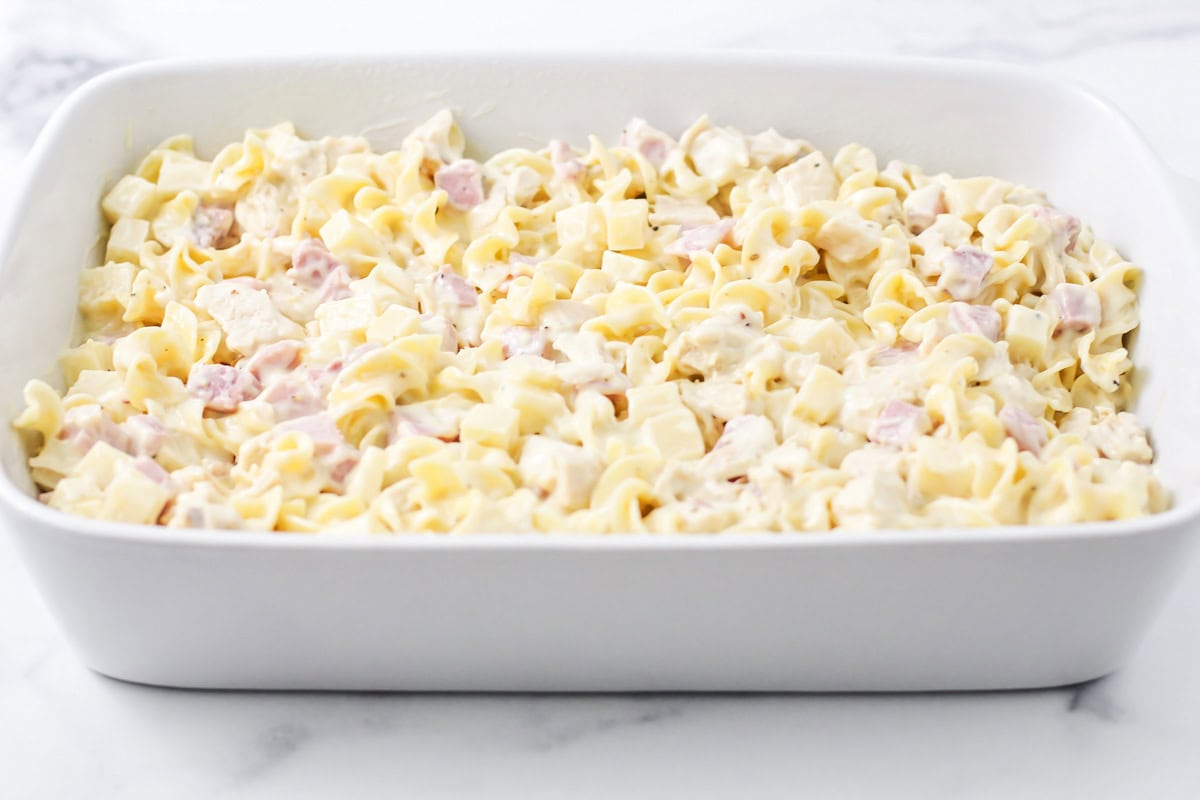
(453, 289)
(652, 143)
(212, 225)
(293, 397)
(145, 435)
(462, 181)
(318, 427)
(221, 387)
(981, 320)
(335, 455)
(1064, 227)
(522, 341)
(281, 356)
(420, 420)
(566, 165)
(1029, 433)
(138, 435)
(341, 468)
(887, 356)
(703, 237)
(922, 206)
(963, 271)
(152, 470)
(336, 285)
(1078, 307)
(83, 426)
(306, 393)
(440, 326)
(898, 424)
(312, 264)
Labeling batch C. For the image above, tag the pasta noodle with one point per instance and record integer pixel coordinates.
(724, 332)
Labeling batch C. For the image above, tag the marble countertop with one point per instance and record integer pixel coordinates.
(66, 732)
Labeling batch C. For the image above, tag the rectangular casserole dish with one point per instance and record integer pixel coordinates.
(947, 609)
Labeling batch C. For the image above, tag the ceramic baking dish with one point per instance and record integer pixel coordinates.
(946, 609)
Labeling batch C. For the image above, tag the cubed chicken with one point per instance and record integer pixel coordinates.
(563, 473)
(451, 289)
(743, 443)
(246, 315)
(523, 341)
(1119, 436)
(922, 206)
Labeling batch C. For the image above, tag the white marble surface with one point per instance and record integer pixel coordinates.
(65, 732)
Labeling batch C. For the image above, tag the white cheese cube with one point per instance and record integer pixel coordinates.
(131, 197)
(395, 321)
(626, 222)
(627, 268)
(649, 401)
(581, 224)
(820, 396)
(1027, 331)
(491, 426)
(126, 238)
(675, 434)
(180, 172)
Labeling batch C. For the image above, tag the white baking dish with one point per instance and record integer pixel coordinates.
(949, 609)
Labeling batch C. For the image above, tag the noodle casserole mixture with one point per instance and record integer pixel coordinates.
(724, 332)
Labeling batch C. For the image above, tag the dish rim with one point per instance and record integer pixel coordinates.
(29, 510)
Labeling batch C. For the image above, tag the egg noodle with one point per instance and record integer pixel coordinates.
(727, 332)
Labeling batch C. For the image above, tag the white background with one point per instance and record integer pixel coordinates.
(65, 732)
